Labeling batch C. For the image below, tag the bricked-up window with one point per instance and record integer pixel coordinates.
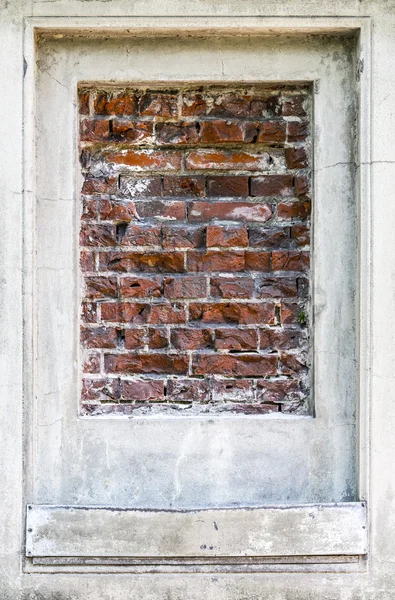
(194, 248)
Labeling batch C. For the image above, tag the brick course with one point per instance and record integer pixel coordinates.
(195, 250)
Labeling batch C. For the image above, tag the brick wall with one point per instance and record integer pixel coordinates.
(194, 248)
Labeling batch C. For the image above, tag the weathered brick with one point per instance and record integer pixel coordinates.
(228, 160)
(89, 312)
(125, 312)
(83, 100)
(231, 287)
(187, 390)
(221, 132)
(134, 132)
(100, 287)
(293, 314)
(236, 340)
(241, 314)
(99, 337)
(94, 131)
(145, 160)
(276, 287)
(97, 235)
(193, 104)
(229, 211)
(280, 339)
(103, 390)
(266, 132)
(140, 287)
(257, 261)
(297, 131)
(185, 287)
(118, 211)
(292, 363)
(300, 235)
(273, 237)
(296, 158)
(294, 209)
(230, 185)
(87, 261)
(134, 339)
(301, 185)
(89, 209)
(163, 210)
(141, 187)
(276, 391)
(143, 390)
(150, 262)
(272, 185)
(99, 185)
(230, 390)
(166, 314)
(293, 106)
(250, 365)
(146, 363)
(141, 235)
(290, 261)
(182, 236)
(213, 260)
(191, 339)
(184, 186)
(226, 236)
(91, 363)
(175, 134)
(158, 104)
(157, 338)
(107, 103)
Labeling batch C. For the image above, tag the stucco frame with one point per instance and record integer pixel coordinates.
(229, 26)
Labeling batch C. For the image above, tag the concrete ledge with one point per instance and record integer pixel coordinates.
(301, 530)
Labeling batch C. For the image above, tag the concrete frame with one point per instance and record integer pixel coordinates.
(377, 479)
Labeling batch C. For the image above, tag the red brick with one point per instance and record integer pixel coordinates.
(221, 132)
(89, 312)
(231, 287)
(146, 363)
(89, 209)
(83, 99)
(157, 338)
(141, 187)
(293, 106)
(100, 287)
(300, 235)
(185, 287)
(235, 339)
(107, 103)
(230, 185)
(250, 365)
(161, 209)
(142, 235)
(94, 131)
(292, 313)
(187, 390)
(276, 391)
(276, 287)
(97, 235)
(242, 390)
(213, 260)
(145, 160)
(290, 261)
(241, 314)
(255, 409)
(143, 390)
(273, 237)
(99, 337)
(267, 132)
(176, 133)
(91, 363)
(103, 390)
(134, 339)
(150, 262)
(167, 314)
(226, 236)
(193, 104)
(184, 186)
(296, 158)
(292, 363)
(230, 104)
(280, 339)
(297, 131)
(182, 236)
(133, 132)
(99, 185)
(257, 261)
(125, 312)
(87, 261)
(227, 160)
(294, 209)
(158, 104)
(230, 211)
(301, 185)
(140, 287)
(118, 211)
(191, 339)
(272, 185)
